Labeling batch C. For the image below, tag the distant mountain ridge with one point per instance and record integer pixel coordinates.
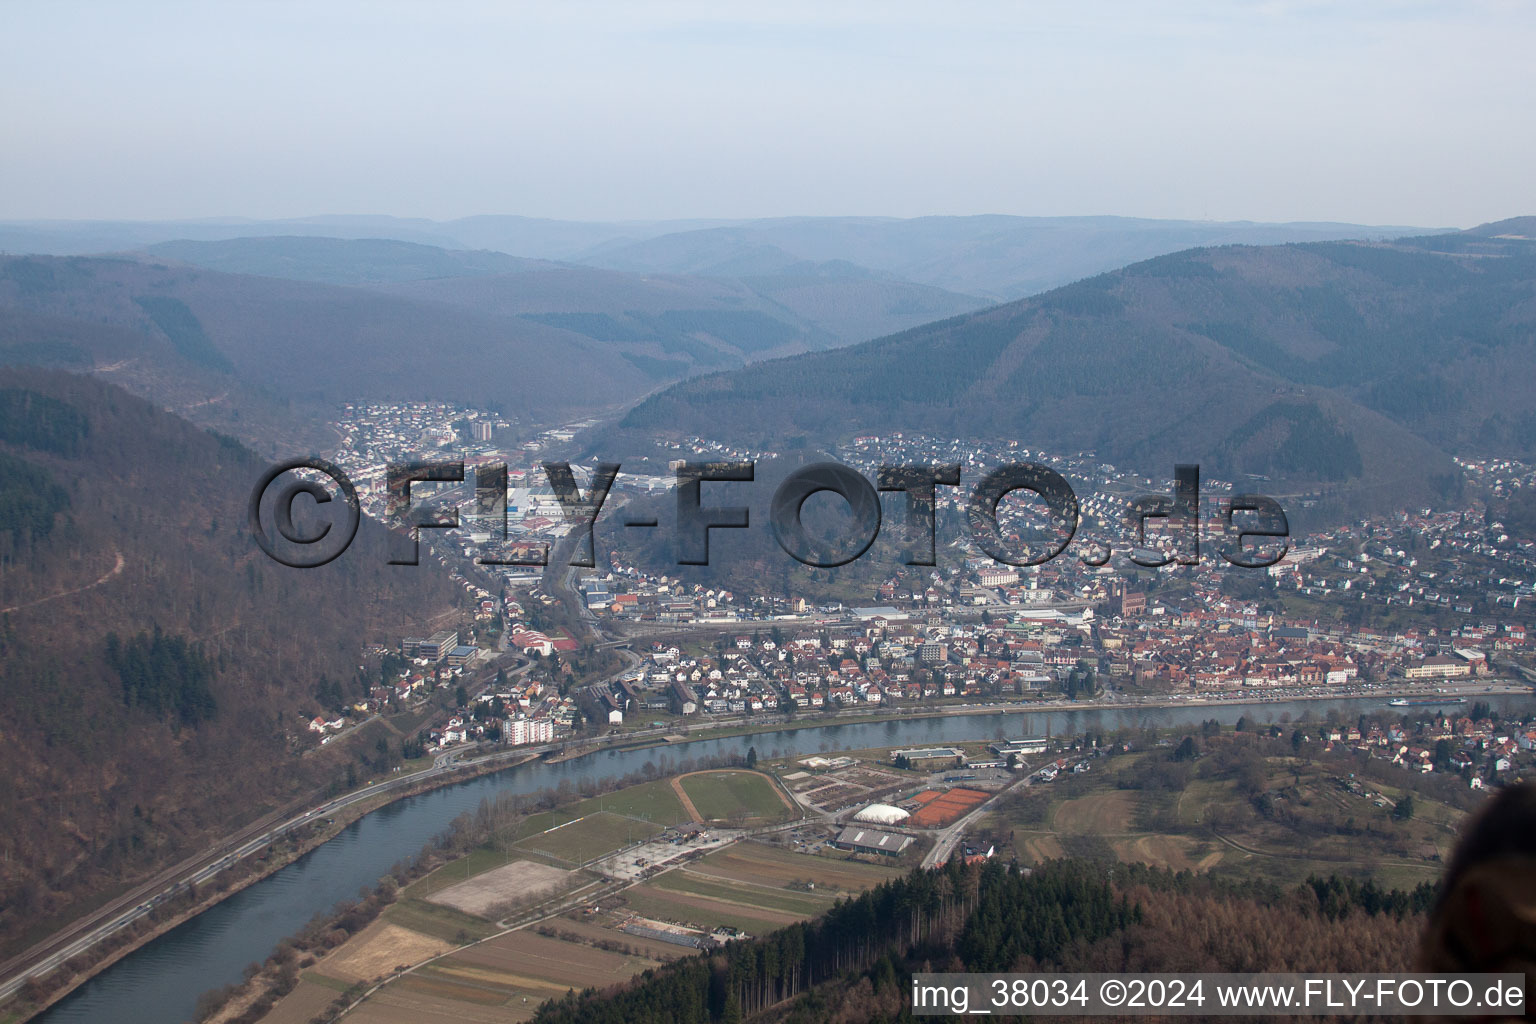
(344, 261)
(997, 257)
(1346, 367)
(298, 344)
(1515, 227)
(544, 342)
(514, 305)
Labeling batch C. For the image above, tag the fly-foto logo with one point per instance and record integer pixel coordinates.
(1243, 518)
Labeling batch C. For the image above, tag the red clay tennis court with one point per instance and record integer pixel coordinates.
(948, 807)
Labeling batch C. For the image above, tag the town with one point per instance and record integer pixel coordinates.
(1432, 606)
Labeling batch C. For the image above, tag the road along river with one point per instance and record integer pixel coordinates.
(160, 982)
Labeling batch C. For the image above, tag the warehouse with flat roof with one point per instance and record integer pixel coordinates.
(929, 757)
(868, 840)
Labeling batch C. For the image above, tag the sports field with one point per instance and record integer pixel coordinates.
(588, 838)
(649, 801)
(948, 807)
(730, 795)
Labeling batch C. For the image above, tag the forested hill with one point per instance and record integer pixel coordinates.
(1350, 366)
(230, 331)
(343, 261)
(853, 963)
(298, 344)
(152, 678)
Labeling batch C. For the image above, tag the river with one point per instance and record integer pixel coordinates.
(160, 982)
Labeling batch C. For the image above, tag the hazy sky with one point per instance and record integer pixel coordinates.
(1375, 112)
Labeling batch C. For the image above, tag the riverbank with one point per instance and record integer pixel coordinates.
(268, 865)
(779, 723)
(362, 858)
(1174, 849)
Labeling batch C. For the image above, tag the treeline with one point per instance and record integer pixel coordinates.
(1248, 758)
(987, 914)
(1036, 915)
(1337, 897)
(165, 675)
(30, 501)
(855, 962)
(1391, 330)
(40, 421)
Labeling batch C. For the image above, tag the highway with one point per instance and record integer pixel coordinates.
(111, 919)
(92, 929)
(81, 935)
(85, 933)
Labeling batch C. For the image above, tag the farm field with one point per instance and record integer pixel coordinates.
(302, 1005)
(649, 801)
(438, 921)
(414, 1000)
(705, 912)
(726, 795)
(377, 950)
(503, 979)
(506, 977)
(478, 860)
(371, 954)
(521, 959)
(1107, 813)
(586, 929)
(772, 865)
(751, 895)
(1178, 853)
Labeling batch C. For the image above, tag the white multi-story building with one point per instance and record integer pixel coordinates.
(529, 730)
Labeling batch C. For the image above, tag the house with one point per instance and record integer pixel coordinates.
(682, 699)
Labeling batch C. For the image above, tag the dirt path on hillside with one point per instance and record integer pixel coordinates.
(115, 571)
